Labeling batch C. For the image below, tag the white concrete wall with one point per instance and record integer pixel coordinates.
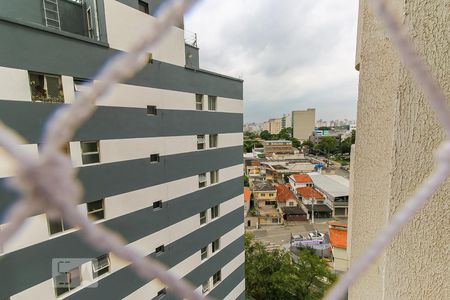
(16, 84)
(124, 23)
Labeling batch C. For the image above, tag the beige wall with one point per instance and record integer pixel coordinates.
(397, 133)
(303, 122)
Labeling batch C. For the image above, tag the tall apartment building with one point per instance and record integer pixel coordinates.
(273, 126)
(160, 160)
(303, 123)
(397, 135)
(286, 120)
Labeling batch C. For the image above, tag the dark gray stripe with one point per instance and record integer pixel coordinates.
(229, 283)
(37, 50)
(32, 265)
(241, 296)
(153, 5)
(198, 276)
(123, 282)
(105, 180)
(28, 119)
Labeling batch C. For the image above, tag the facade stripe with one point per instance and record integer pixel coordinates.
(241, 296)
(32, 265)
(104, 180)
(123, 282)
(63, 55)
(28, 119)
(229, 283)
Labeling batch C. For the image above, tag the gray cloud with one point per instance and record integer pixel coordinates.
(292, 54)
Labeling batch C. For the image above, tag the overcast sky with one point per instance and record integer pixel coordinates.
(292, 54)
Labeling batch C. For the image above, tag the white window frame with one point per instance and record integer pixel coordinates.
(205, 286)
(201, 145)
(213, 140)
(98, 267)
(204, 252)
(202, 180)
(219, 273)
(214, 176)
(90, 213)
(205, 218)
(212, 103)
(213, 249)
(199, 101)
(215, 212)
(90, 153)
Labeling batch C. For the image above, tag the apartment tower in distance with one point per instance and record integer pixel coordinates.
(160, 160)
(395, 142)
(303, 123)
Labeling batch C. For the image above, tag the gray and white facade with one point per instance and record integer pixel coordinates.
(160, 160)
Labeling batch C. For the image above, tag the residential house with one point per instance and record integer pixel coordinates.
(247, 199)
(300, 180)
(277, 171)
(265, 197)
(338, 239)
(336, 189)
(315, 202)
(290, 208)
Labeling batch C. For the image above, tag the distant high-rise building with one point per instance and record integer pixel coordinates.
(303, 123)
(160, 160)
(286, 120)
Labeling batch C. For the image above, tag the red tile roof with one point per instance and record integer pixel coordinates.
(338, 237)
(302, 178)
(247, 194)
(256, 163)
(284, 193)
(309, 192)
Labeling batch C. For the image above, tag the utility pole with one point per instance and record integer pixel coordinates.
(312, 209)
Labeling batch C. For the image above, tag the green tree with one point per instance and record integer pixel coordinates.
(285, 133)
(265, 135)
(346, 145)
(295, 143)
(274, 275)
(327, 145)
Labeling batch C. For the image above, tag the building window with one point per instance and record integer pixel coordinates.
(90, 153)
(212, 102)
(274, 220)
(151, 110)
(213, 140)
(204, 253)
(157, 205)
(154, 158)
(96, 210)
(79, 85)
(56, 226)
(67, 281)
(214, 212)
(101, 265)
(159, 250)
(270, 194)
(198, 102)
(214, 176)
(161, 293)
(215, 245)
(200, 142)
(203, 217)
(46, 88)
(143, 6)
(205, 287)
(217, 277)
(263, 194)
(202, 180)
